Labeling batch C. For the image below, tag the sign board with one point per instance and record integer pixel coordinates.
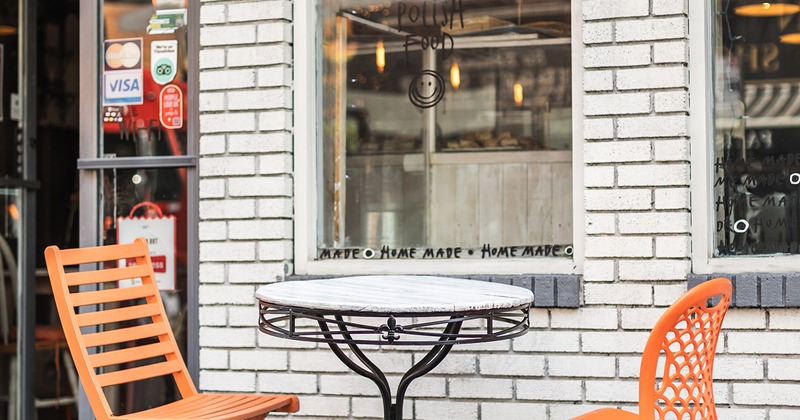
(170, 107)
(122, 72)
(159, 233)
(163, 61)
(166, 21)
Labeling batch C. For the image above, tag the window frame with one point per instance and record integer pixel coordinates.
(701, 111)
(307, 196)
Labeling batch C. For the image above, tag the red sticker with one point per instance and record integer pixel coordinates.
(170, 107)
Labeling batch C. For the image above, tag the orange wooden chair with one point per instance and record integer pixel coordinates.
(682, 346)
(151, 324)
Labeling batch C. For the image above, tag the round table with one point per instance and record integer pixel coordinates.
(393, 311)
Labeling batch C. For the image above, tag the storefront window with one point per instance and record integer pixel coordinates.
(756, 180)
(446, 129)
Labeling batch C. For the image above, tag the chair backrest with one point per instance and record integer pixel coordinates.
(676, 379)
(148, 344)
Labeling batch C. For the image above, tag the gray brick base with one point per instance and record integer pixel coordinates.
(759, 290)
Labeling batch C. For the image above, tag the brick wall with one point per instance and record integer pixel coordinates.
(636, 173)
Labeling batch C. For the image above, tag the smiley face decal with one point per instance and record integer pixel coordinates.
(426, 90)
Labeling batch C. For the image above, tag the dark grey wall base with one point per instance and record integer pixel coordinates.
(549, 290)
(759, 290)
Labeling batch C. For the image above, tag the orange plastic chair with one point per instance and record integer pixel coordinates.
(685, 340)
(151, 324)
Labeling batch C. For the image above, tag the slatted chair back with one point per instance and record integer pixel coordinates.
(676, 379)
(159, 356)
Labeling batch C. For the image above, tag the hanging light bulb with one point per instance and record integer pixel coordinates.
(455, 76)
(380, 56)
(756, 8)
(518, 96)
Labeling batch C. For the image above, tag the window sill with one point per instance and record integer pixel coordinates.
(759, 290)
(438, 266)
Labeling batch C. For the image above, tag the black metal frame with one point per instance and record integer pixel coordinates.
(282, 321)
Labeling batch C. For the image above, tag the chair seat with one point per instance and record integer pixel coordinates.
(218, 406)
(608, 414)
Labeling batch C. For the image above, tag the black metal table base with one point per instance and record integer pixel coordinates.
(391, 410)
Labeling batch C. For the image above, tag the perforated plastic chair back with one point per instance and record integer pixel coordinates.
(676, 381)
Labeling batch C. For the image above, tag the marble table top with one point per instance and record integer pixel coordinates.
(395, 294)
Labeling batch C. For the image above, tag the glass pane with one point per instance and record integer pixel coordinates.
(406, 85)
(757, 113)
(10, 240)
(150, 203)
(10, 146)
(144, 78)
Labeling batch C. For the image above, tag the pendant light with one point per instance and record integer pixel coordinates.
(757, 8)
(380, 56)
(455, 75)
(518, 95)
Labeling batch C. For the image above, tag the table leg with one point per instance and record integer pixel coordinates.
(429, 362)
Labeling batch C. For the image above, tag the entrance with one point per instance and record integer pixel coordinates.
(39, 147)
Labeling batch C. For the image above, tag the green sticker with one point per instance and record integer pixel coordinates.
(163, 71)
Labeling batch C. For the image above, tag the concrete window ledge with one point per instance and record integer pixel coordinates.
(549, 290)
(759, 290)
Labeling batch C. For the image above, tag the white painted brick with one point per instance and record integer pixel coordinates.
(213, 359)
(627, 199)
(373, 407)
(652, 77)
(262, 186)
(600, 223)
(480, 388)
(268, 341)
(613, 342)
(276, 250)
(227, 209)
(212, 13)
(227, 79)
(597, 32)
(582, 366)
(585, 319)
(424, 387)
(662, 222)
(212, 188)
(227, 381)
(211, 58)
(772, 394)
(779, 414)
(259, 359)
(274, 76)
(640, 318)
(275, 32)
(763, 342)
(742, 414)
(243, 316)
(745, 319)
(618, 246)
(227, 35)
(617, 151)
(287, 383)
(227, 165)
(616, 104)
(650, 29)
(612, 391)
(316, 361)
(598, 176)
(667, 294)
(609, 9)
(262, 55)
(233, 295)
(492, 346)
(548, 342)
(212, 144)
(228, 122)
(598, 128)
(346, 385)
(652, 126)
(211, 273)
(232, 251)
(672, 101)
(722, 393)
(515, 365)
(260, 143)
(274, 120)
(564, 411)
(516, 410)
(550, 390)
(739, 368)
(213, 316)
(325, 406)
(619, 294)
(784, 319)
(227, 337)
(672, 198)
(274, 164)
(656, 175)
(275, 207)
(672, 150)
(212, 101)
(260, 229)
(673, 246)
(259, 99)
(598, 80)
(539, 318)
(212, 231)
(399, 363)
(598, 270)
(260, 10)
(670, 7)
(629, 366)
(616, 56)
(670, 52)
(438, 410)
